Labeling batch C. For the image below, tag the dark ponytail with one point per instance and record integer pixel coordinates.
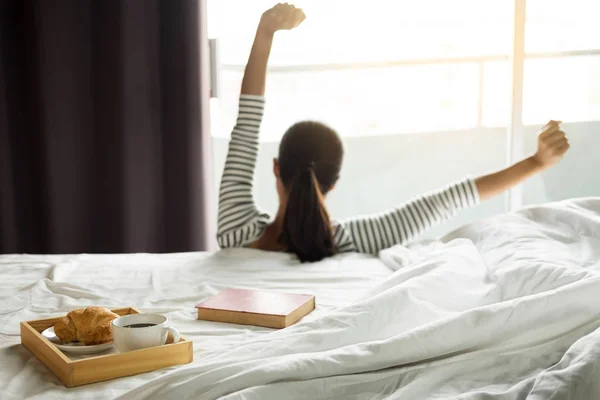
(310, 159)
(306, 229)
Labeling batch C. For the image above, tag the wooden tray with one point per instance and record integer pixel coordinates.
(102, 367)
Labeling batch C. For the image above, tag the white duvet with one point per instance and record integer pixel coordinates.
(507, 308)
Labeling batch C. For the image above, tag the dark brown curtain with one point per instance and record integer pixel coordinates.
(104, 144)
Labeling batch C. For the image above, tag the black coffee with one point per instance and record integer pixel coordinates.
(138, 325)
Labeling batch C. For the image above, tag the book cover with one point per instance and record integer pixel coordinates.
(254, 307)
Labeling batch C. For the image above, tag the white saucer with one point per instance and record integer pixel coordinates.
(74, 347)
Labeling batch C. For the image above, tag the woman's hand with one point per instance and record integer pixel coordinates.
(283, 16)
(552, 145)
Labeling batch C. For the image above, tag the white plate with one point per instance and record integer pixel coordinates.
(74, 347)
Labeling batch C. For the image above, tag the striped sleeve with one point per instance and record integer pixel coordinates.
(400, 225)
(240, 221)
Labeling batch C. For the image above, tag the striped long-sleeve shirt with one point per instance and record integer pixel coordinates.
(241, 222)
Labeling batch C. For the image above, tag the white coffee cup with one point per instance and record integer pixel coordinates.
(127, 336)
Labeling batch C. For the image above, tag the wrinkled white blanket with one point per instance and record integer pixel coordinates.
(506, 308)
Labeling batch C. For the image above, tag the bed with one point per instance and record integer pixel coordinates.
(507, 308)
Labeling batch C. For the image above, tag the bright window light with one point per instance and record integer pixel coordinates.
(395, 67)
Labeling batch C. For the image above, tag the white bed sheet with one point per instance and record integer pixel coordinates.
(35, 287)
(505, 308)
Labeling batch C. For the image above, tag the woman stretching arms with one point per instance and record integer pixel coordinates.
(308, 166)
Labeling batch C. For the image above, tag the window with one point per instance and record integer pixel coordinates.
(565, 88)
(562, 81)
(559, 25)
(381, 68)
(412, 85)
(562, 45)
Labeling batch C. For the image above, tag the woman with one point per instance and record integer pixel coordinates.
(308, 166)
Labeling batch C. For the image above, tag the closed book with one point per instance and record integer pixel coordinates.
(253, 307)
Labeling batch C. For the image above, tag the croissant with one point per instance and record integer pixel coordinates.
(92, 325)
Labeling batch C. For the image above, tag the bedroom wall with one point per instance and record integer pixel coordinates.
(393, 170)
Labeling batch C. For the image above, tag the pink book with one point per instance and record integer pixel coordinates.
(253, 307)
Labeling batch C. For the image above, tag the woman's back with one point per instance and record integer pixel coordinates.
(243, 224)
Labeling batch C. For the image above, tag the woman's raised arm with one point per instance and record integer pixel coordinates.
(280, 17)
(240, 221)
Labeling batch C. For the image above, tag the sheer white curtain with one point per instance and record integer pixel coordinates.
(420, 91)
